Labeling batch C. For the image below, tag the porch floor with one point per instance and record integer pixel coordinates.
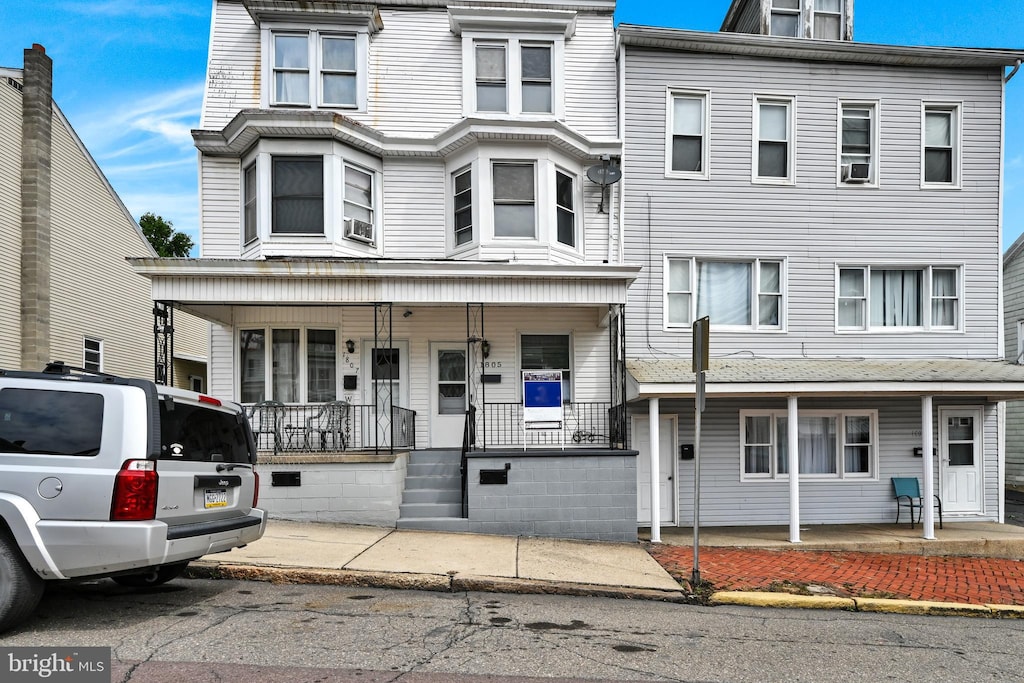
(971, 539)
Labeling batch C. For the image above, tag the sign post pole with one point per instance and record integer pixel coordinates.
(700, 364)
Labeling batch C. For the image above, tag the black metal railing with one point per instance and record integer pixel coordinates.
(584, 424)
(329, 428)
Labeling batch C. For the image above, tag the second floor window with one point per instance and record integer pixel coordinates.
(774, 150)
(297, 202)
(688, 140)
(514, 200)
(565, 197)
(883, 298)
(941, 145)
(315, 69)
(731, 293)
(463, 206)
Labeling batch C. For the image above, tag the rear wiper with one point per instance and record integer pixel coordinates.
(228, 467)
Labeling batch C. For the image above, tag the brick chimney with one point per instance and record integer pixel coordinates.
(37, 118)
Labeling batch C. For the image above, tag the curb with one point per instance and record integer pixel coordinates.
(443, 583)
(883, 605)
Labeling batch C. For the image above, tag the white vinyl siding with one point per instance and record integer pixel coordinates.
(821, 227)
(10, 220)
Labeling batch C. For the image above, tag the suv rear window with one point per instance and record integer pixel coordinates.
(197, 433)
(50, 422)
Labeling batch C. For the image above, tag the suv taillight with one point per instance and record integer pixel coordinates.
(256, 490)
(135, 492)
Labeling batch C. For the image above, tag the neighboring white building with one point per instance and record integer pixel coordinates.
(1013, 314)
(66, 291)
(834, 209)
(396, 214)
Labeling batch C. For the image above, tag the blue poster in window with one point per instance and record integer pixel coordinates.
(542, 396)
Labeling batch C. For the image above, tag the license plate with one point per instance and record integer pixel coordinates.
(216, 498)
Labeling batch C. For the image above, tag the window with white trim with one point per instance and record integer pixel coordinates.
(742, 294)
(548, 352)
(827, 20)
(773, 150)
(840, 444)
(299, 365)
(940, 161)
(858, 143)
(462, 206)
(318, 68)
(877, 298)
(687, 144)
(308, 195)
(515, 76)
(515, 209)
(92, 354)
(785, 18)
(565, 208)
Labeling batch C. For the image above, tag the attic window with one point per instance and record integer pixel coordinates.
(785, 18)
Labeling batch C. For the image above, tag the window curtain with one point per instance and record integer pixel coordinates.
(687, 134)
(285, 375)
(723, 292)
(291, 64)
(816, 441)
(896, 298)
(944, 298)
(938, 142)
(758, 439)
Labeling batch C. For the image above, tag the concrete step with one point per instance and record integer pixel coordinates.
(431, 482)
(420, 510)
(432, 496)
(440, 469)
(435, 524)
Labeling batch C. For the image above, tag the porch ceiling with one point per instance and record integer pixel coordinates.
(726, 377)
(210, 287)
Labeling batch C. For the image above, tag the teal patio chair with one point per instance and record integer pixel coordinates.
(907, 491)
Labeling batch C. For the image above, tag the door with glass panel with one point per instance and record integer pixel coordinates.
(960, 460)
(387, 388)
(448, 394)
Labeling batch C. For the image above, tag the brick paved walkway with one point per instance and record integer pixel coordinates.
(973, 580)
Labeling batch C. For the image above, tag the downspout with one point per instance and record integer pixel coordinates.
(622, 157)
(1016, 68)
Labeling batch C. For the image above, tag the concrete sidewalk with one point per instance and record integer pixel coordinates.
(866, 561)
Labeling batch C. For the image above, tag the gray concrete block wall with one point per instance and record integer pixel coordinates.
(349, 493)
(586, 495)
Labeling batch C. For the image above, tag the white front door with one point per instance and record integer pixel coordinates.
(666, 469)
(388, 387)
(961, 455)
(448, 394)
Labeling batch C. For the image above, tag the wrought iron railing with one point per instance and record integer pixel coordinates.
(584, 424)
(329, 428)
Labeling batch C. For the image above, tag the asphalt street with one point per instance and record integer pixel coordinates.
(205, 630)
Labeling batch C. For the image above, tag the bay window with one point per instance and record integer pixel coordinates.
(300, 365)
(870, 298)
(731, 293)
(514, 200)
(297, 195)
(564, 208)
(838, 444)
(462, 206)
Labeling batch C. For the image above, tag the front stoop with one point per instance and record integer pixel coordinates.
(432, 498)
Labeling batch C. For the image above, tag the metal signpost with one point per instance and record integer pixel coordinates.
(700, 364)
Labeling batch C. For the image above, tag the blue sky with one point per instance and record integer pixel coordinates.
(129, 75)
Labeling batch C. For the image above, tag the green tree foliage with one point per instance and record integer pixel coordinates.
(162, 236)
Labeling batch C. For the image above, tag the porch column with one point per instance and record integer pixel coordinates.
(654, 419)
(928, 464)
(793, 448)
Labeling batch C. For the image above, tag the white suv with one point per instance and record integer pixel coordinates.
(108, 476)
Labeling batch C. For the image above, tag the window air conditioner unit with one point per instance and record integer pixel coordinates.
(358, 230)
(856, 173)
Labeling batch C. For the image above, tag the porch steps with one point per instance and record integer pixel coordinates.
(432, 499)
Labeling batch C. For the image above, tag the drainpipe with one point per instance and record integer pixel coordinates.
(36, 124)
(1016, 67)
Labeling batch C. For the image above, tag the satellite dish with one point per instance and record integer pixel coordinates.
(604, 174)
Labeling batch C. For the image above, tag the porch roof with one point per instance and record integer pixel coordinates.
(674, 378)
(210, 287)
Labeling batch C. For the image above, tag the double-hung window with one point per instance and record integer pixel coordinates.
(297, 195)
(743, 294)
(875, 298)
(941, 149)
(828, 20)
(858, 142)
(303, 365)
(565, 202)
(548, 352)
(773, 150)
(462, 209)
(316, 69)
(688, 141)
(514, 76)
(785, 18)
(250, 229)
(831, 444)
(515, 210)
